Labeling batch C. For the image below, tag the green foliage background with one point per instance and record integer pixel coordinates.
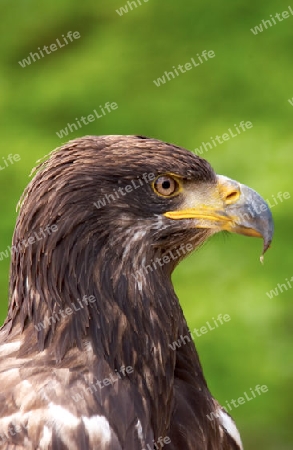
(116, 59)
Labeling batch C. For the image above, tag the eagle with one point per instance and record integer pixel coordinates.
(85, 355)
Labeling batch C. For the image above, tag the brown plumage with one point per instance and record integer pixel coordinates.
(93, 299)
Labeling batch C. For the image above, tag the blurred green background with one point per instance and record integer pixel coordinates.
(116, 59)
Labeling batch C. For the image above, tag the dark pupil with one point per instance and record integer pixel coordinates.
(166, 184)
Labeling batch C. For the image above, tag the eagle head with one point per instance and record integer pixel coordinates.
(100, 229)
(126, 210)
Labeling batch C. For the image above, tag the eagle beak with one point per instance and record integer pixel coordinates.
(227, 205)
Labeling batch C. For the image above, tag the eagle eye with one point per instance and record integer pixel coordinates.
(166, 186)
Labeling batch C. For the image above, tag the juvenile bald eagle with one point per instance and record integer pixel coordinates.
(85, 357)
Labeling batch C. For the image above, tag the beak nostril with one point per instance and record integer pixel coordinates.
(232, 197)
(230, 190)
